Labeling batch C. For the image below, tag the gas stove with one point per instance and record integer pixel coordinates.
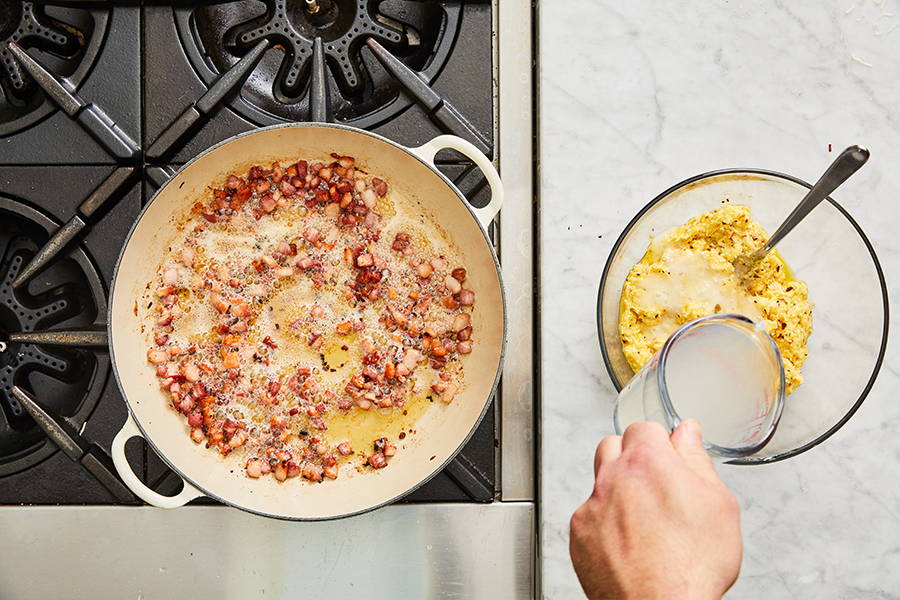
(104, 101)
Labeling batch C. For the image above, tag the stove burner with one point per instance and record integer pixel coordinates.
(341, 25)
(18, 21)
(361, 92)
(66, 39)
(67, 294)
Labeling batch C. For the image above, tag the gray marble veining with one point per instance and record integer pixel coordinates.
(636, 96)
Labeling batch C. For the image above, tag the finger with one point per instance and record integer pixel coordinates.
(646, 432)
(608, 450)
(688, 442)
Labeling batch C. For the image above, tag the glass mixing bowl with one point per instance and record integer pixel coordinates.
(827, 250)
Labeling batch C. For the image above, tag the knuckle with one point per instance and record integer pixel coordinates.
(644, 429)
(612, 440)
(575, 519)
(609, 447)
(609, 440)
(640, 456)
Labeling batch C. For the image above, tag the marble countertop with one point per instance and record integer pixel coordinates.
(636, 96)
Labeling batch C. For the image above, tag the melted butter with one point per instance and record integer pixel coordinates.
(336, 357)
(337, 351)
(227, 244)
(195, 324)
(385, 207)
(362, 427)
(291, 301)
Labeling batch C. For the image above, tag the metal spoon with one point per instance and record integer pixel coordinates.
(845, 165)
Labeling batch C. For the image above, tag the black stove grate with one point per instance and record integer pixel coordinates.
(68, 39)
(361, 92)
(68, 294)
(341, 24)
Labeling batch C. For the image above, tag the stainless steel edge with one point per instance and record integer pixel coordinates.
(402, 551)
(516, 151)
(494, 231)
(536, 111)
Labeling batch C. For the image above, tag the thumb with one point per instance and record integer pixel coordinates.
(688, 443)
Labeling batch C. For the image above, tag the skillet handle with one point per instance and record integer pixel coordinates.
(427, 151)
(128, 431)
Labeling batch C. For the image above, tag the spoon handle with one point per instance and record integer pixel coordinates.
(845, 165)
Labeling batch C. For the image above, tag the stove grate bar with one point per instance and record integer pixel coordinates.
(437, 107)
(90, 116)
(319, 109)
(470, 182)
(469, 479)
(158, 176)
(230, 80)
(111, 187)
(80, 338)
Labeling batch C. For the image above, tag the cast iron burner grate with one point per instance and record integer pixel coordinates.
(340, 25)
(67, 294)
(361, 93)
(67, 38)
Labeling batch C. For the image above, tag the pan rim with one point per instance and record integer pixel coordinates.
(488, 397)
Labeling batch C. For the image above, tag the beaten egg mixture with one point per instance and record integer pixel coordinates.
(687, 273)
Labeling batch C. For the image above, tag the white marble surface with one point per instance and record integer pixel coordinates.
(644, 94)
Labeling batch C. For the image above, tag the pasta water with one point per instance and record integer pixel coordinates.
(724, 371)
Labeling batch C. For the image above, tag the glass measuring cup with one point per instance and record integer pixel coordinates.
(722, 370)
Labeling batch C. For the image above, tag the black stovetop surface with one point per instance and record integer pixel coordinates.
(142, 77)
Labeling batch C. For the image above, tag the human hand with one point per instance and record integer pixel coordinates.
(659, 523)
